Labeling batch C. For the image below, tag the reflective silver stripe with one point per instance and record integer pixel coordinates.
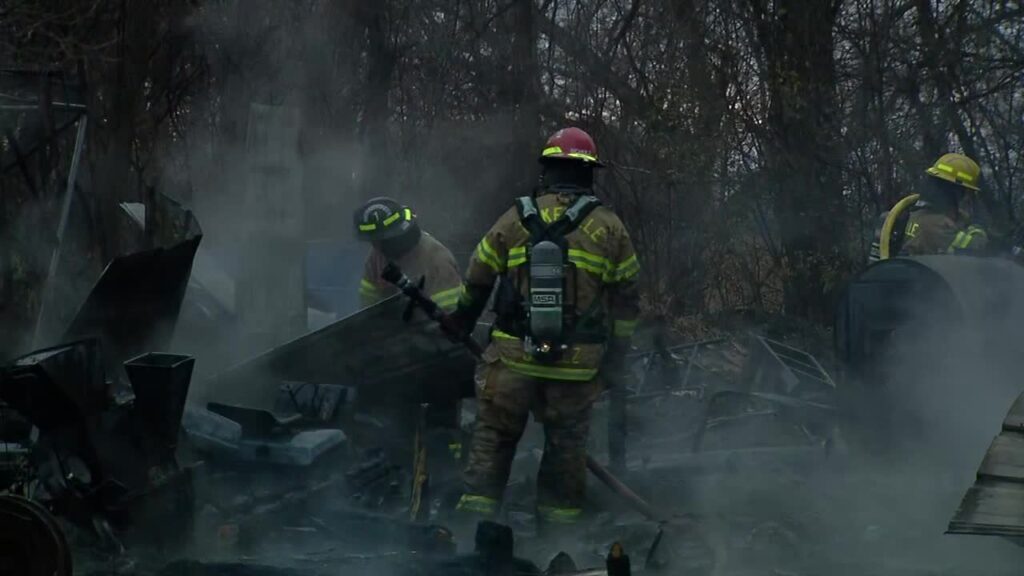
(584, 201)
(528, 206)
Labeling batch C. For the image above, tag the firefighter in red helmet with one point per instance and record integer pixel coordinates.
(567, 297)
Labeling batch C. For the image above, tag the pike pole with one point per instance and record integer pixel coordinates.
(417, 299)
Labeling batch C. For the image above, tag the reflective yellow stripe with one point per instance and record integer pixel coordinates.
(391, 219)
(625, 270)
(483, 257)
(408, 214)
(595, 259)
(582, 259)
(448, 298)
(447, 303)
(560, 515)
(955, 243)
(489, 256)
(517, 256)
(553, 150)
(583, 156)
(502, 335)
(590, 262)
(477, 504)
(960, 242)
(551, 372)
(976, 231)
(367, 227)
(955, 175)
(963, 239)
(624, 328)
(455, 449)
(584, 265)
(449, 294)
(366, 288)
(629, 272)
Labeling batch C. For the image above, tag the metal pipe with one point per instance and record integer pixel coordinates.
(624, 492)
(35, 107)
(61, 228)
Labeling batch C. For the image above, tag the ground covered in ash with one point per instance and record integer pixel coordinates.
(759, 494)
(835, 516)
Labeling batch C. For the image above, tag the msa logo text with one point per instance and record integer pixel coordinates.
(545, 300)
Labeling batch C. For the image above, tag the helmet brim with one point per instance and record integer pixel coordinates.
(945, 177)
(385, 233)
(570, 158)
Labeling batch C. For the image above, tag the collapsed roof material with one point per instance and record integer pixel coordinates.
(373, 350)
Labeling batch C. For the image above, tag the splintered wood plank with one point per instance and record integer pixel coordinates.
(1005, 458)
(991, 507)
(1015, 419)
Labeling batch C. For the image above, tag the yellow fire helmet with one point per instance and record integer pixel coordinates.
(957, 169)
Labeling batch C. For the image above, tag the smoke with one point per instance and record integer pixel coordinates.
(948, 376)
(279, 148)
(274, 153)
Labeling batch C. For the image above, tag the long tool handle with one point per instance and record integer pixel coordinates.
(623, 491)
(394, 275)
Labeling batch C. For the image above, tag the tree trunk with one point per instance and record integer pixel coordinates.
(802, 159)
(525, 98)
(381, 61)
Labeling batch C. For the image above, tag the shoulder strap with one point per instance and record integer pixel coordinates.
(574, 215)
(530, 218)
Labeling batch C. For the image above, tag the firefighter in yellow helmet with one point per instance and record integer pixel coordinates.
(938, 220)
(567, 294)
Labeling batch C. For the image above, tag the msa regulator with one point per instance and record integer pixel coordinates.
(546, 337)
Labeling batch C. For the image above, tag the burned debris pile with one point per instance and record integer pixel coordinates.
(694, 403)
(305, 465)
(341, 448)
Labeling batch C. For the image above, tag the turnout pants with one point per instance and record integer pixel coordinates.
(505, 399)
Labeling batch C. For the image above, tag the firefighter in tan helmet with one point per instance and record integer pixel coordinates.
(939, 219)
(395, 236)
(567, 296)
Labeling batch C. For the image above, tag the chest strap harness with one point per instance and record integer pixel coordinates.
(547, 254)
